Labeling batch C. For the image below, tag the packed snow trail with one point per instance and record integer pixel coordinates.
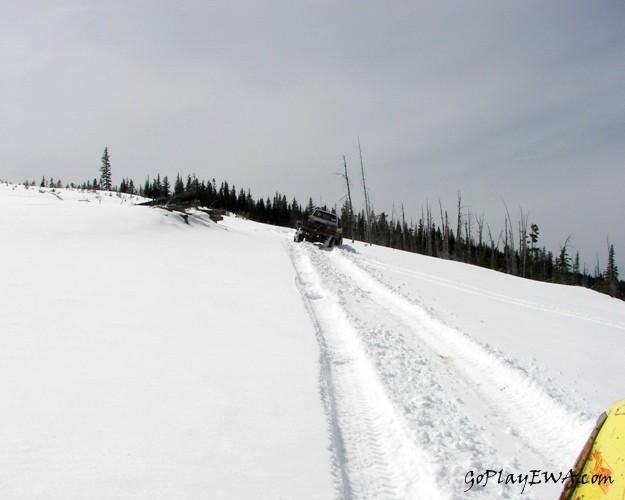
(484, 368)
(415, 405)
(374, 456)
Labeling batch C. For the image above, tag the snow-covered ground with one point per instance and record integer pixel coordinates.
(142, 357)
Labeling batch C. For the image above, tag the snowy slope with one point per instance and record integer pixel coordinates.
(444, 392)
(141, 357)
(144, 358)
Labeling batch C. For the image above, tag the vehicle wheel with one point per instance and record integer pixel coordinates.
(298, 238)
(340, 241)
(330, 242)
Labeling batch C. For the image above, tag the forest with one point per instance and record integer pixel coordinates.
(515, 250)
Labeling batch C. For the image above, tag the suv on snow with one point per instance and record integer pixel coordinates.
(320, 226)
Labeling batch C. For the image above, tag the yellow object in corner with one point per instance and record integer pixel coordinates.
(599, 472)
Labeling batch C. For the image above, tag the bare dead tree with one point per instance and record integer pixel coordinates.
(506, 247)
(367, 205)
(430, 228)
(467, 231)
(479, 219)
(445, 254)
(523, 241)
(447, 235)
(392, 227)
(423, 243)
(350, 207)
(512, 265)
(492, 246)
(459, 229)
(404, 228)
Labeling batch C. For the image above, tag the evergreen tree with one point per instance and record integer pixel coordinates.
(147, 190)
(563, 264)
(576, 270)
(261, 211)
(242, 201)
(611, 273)
(178, 185)
(105, 171)
(157, 186)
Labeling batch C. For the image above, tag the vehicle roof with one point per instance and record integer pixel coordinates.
(322, 210)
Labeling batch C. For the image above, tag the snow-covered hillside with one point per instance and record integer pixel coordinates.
(142, 357)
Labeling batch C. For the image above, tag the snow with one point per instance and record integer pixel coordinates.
(142, 357)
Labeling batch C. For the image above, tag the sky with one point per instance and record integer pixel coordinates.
(512, 104)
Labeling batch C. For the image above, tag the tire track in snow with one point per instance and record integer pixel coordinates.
(374, 453)
(423, 396)
(518, 399)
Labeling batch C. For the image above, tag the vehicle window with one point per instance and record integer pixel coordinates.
(325, 215)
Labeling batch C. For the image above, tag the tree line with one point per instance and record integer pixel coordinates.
(515, 250)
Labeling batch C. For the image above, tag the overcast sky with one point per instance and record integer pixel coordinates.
(507, 101)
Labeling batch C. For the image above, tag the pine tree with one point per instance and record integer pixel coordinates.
(576, 270)
(157, 186)
(147, 190)
(105, 171)
(563, 263)
(611, 273)
(178, 185)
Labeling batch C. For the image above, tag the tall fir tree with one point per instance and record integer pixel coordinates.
(178, 185)
(105, 171)
(611, 273)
